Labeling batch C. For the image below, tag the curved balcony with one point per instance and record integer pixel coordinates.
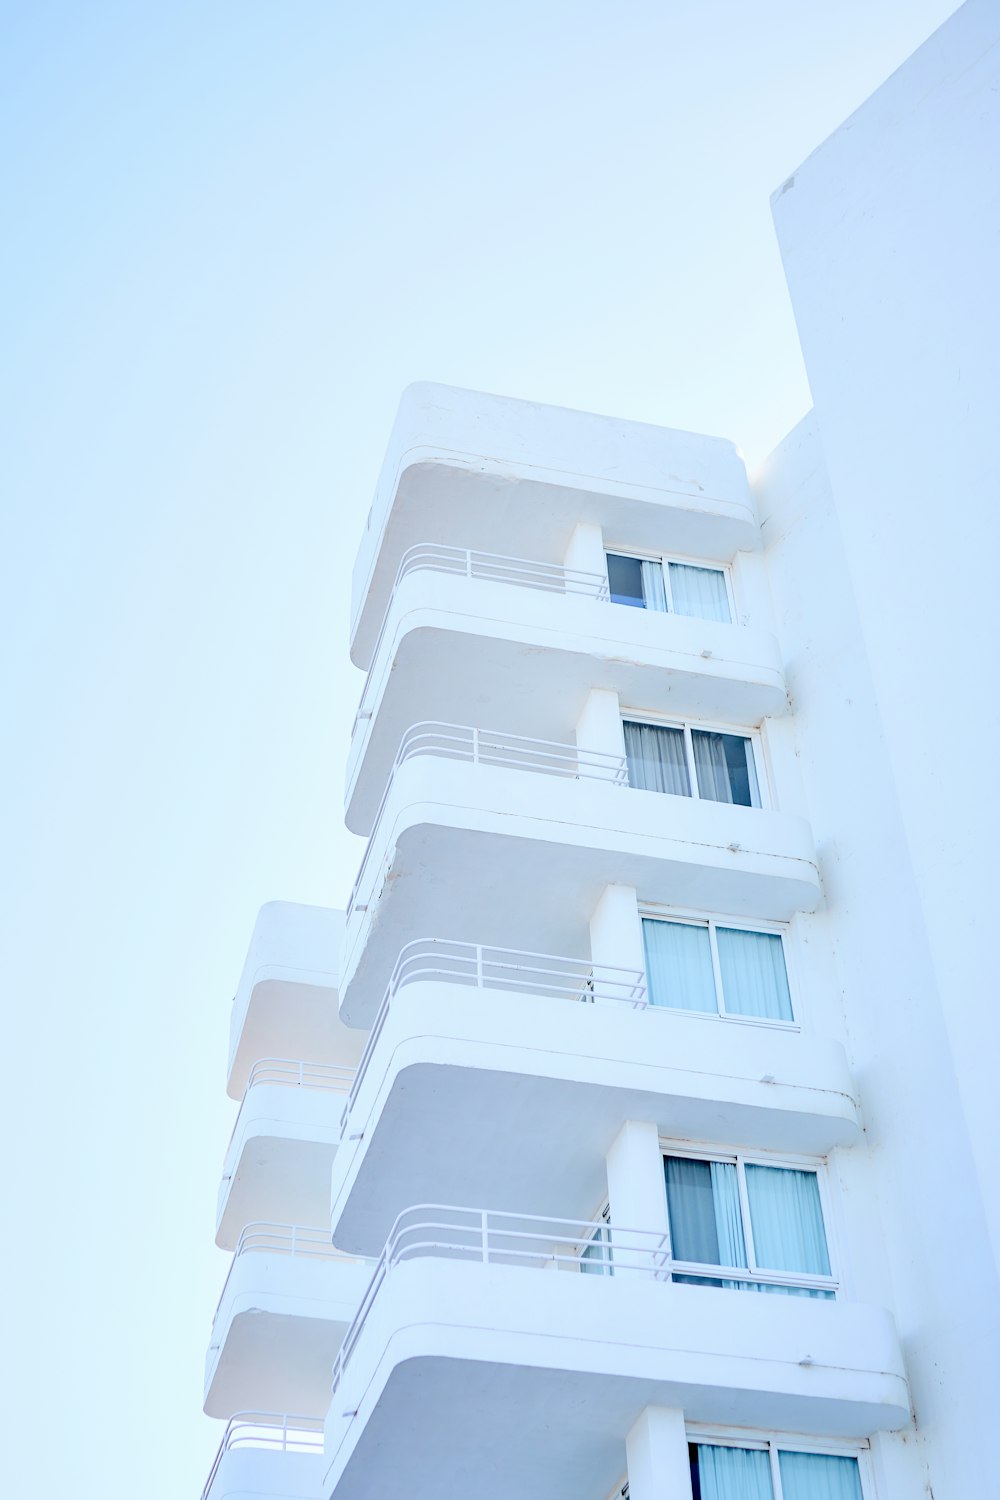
(512, 840)
(475, 1322)
(286, 1003)
(513, 476)
(542, 636)
(278, 1161)
(268, 1454)
(287, 1301)
(526, 1041)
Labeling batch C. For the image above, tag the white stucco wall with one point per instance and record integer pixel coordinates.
(890, 235)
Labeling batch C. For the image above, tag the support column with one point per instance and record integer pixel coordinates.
(586, 549)
(637, 1197)
(616, 938)
(657, 1456)
(599, 726)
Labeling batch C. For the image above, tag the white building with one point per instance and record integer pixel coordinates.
(652, 1060)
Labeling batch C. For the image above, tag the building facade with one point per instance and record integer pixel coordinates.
(632, 1126)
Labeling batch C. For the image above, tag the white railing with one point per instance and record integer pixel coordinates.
(492, 567)
(508, 969)
(494, 747)
(288, 1072)
(488, 1237)
(269, 1430)
(262, 1238)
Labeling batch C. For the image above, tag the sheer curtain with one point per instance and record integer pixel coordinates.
(679, 965)
(787, 1223)
(656, 759)
(734, 1473)
(754, 981)
(819, 1476)
(654, 593)
(706, 1227)
(725, 767)
(700, 592)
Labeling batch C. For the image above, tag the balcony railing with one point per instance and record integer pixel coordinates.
(508, 969)
(287, 1072)
(491, 747)
(487, 1237)
(261, 1238)
(268, 1430)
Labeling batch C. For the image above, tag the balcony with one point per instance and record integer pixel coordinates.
(278, 1162)
(263, 1453)
(512, 840)
(286, 1304)
(286, 1001)
(542, 636)
(527, 1041)
(498, 1368)
(513, 476)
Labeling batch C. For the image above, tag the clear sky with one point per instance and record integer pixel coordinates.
(233, 232)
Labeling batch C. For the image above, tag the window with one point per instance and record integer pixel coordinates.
(674, 587)
(596, 1256)
(727, 1213)
(723, 1471)
(676, 758)
(705, 966)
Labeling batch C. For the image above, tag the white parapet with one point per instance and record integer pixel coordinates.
(514, 477)
(466, 1336)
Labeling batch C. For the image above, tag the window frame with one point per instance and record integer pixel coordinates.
(665, 559)
(601, 1233)
(787, 1442)
(742, 1159)
(689, 726)
(737, 924)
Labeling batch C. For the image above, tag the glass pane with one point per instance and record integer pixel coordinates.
(754, 981)
(819, 1476)
(704, 1210)
(725, 767)
(625, 580)
(595, 1259)
(679, 965)
(787, 1220)
(656, 759)
(700, 592)
(733, 1473)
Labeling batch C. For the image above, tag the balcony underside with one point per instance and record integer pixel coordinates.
(445, 858)
(494, 1381)
(541, 653)
(277, 1331)
(278, 1164)
(257, 1474)
(515, 1068)
(514, 477)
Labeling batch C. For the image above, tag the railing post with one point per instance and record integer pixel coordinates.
(468, 564)
(484, 1217)
(479, 966)
(475, 746)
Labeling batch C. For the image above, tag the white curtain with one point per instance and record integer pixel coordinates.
(734, 1473)
(728, 1218)
(679, 965)
(819, 1476)
(787, 1220)
(700, 592)
(754, 981)
(656, 758)
(725, 767)
(654, 593)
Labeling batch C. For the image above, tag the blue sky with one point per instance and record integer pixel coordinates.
(232, 234)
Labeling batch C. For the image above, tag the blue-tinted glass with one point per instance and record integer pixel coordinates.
(625, 580)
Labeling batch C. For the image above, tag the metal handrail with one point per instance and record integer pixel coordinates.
(493, 968)
(491, 1237)
(491, 567)
(495, 747)
(263, 1238)
(271, 1430)
(289, 1072)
